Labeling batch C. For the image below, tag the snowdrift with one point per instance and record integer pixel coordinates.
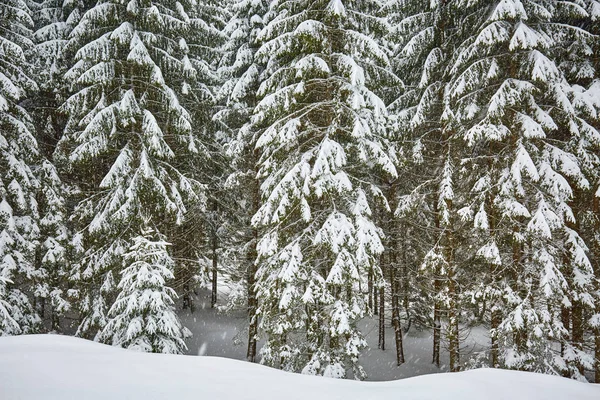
(61, 367)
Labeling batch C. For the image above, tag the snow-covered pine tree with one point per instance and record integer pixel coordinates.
(143, 316)
(53, 21)
(198, 244)
(425, 41)
(322, 132)
(510, 105)
(241, 77)
(126, 136)
(18, 185)
(575, 58)
(54, 260)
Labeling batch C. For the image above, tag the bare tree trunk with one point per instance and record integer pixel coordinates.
(394, 286)
(213, 296)
(382, 318)
(251, 279)
(437, 322)
(370, 290)
(596, 265)
(252, 317)
(453, 306)
(495, 320)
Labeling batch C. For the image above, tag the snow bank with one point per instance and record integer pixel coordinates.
(61, 367)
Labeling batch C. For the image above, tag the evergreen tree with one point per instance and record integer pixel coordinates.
(126, 132)
(510, 105)
(241, 77)
(322, 132)
(52, 287)
(18, 185)
(428, 157)
(143, 316)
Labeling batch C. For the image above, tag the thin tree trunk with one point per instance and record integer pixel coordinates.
(495, 320)
(382, 318)
(252, 317)
(370, 290)
(596, 265)
(251, 277)
(215, 261)
(394, 286)
(453, 310)
(437, 328)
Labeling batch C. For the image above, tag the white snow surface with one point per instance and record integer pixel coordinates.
(63, 367)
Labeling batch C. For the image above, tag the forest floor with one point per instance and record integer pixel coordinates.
(222, 334)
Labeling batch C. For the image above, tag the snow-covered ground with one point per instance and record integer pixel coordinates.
(61, 367)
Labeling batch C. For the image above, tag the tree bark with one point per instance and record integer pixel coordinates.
(382, 318)
(453, 306)
(596, 266)
(394, 286)
(215, 259)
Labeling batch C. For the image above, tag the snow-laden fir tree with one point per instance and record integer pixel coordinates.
(198, 244)
(143, 316)
(51, 287)
(18, 185)
(423, 37)
(240, 74)
(510, 104)
(322, 132)
(126, 136)
(581, 69)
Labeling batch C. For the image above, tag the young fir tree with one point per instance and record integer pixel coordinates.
(509, 103)
(18, 185)
(241, 76)
(322, 132)
(126, 135)
(143, 316)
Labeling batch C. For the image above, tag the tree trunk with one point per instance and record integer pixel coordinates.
(453, 307)
(495, 320)
(252, 317)
(370, 290)
(394, 286)
(437, 323)
(215, 259)
(382, 318)
(251, 279)
(596, 265)
(213, 295)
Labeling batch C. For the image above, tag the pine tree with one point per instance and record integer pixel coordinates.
(582, 73)
(143, 316)
(425, 41)
(126, 136)
(510, 104)
(322, 131)
(198, 244)
(18, 185)
(51, 287)
(241, 77)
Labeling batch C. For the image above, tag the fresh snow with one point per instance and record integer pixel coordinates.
(61, 367)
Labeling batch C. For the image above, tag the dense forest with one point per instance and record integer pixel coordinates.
(433, 163)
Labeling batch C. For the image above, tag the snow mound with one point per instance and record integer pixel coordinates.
(62, 367)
